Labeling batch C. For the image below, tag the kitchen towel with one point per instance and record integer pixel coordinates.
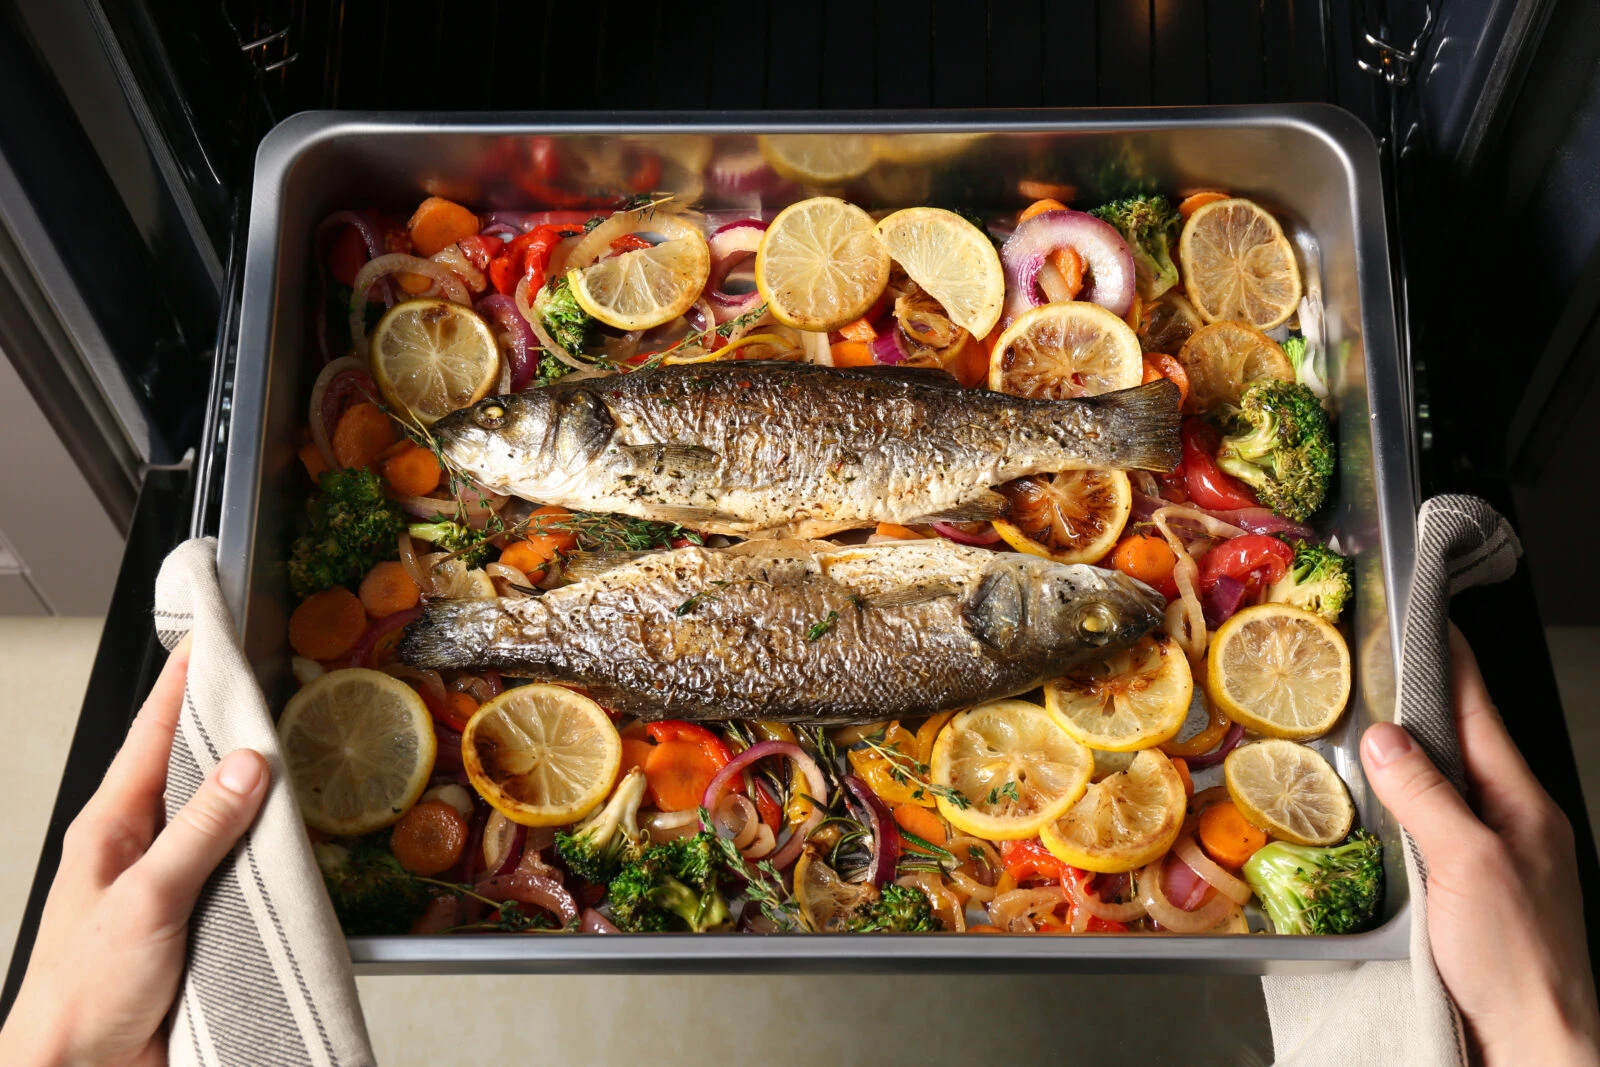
(1398, 1012)
(268, 981)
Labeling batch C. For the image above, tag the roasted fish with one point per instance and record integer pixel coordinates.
(798, 631)
(763, 449)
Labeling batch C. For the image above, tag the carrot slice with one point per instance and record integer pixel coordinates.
(914, 819)
(1039, 207)
(1181, 765)
(459, 709)
(1227, 835)
(364, 431)
(412, 471)
(542, 544)
(1034, 189)
(1161, 365)
(328, 624)
(852, 354)
(1071, 264)
(429, 839)
(315, 465)
(898, 532)
(859, 330)
(387, 588)
(680, 772)
(1195, 201)
(439, 223)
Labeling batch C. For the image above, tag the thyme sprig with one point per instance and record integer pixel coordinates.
(907, 771)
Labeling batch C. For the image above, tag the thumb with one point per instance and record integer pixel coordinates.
(205, 830)
(1422, 799)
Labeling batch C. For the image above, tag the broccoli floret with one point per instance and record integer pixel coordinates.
(1281, 446)
(549, 369)
(568, 324)
(896, 910)
(353, 526)
(473, 545)
(597, 847)
(670, 886)
(1308, 890)
(1295, 348)
(371, 892)
(1150, 225)
(1318, 581)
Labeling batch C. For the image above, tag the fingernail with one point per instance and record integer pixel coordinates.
(240, 772)
(1387, 742)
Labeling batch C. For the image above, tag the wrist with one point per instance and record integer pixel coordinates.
(1554, 1033)
(32, 1037)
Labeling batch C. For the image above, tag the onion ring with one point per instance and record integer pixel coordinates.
(1233, 888)
(1171, 917)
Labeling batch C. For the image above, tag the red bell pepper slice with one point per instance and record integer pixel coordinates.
(1256, 560)
(678, 730)
(479, 249)
(1204, 481)
(1030, 859)
(629, 242)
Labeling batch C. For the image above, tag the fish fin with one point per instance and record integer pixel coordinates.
(581, 565)
(1141, 426)
(690, 517)
(910, 595)
(678, 460)
(995, 612)
(919, 375)
(988, 505)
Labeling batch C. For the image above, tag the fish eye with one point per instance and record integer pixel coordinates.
(1097, 624)
(489, 416)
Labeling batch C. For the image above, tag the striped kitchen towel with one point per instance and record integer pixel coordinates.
(1398, 1012)
(268, 981)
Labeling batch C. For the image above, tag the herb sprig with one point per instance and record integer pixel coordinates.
(763, 883)
(907, 771)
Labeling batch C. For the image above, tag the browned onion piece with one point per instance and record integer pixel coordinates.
(1171, 917)
(1089, 903)
(735, 817)
(412, 565)
(319, 389)
(1020, 910)
(444, 278)
(1233, 888)
(430, 681)
(945, 905)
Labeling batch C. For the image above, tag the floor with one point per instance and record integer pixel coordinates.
(668, 1019)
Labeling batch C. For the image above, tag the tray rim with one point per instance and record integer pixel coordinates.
(1395, 493)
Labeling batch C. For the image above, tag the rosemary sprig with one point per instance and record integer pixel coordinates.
(763, 883)
(598, 532)
(700, 338)
(818, 629)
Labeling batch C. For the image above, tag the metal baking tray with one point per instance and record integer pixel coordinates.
(1314, 164)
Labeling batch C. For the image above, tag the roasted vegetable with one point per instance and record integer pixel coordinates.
(1318, 581)
(1280, 444)
(371, 893)
(568, 324)
(670, 886)
(896, 910)
(598, 847)
(1308, 890)
(353, 526)
(471, 545)
(1150, 225)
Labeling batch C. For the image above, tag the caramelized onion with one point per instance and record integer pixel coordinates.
(1171, 917)
(445, 280)
(1233, 888)
(1089, 903)
(1020, 910)
(946, 906)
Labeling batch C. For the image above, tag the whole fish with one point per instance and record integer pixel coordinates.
(799, 631)
(795, 449)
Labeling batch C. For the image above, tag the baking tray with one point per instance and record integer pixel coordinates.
(1315, 165)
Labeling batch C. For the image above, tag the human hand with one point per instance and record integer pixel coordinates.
(107, 961)
(1505, 913)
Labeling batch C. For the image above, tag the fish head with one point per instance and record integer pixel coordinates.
(1025, 602)
(501, 439)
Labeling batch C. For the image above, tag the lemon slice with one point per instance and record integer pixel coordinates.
(923, 147)
(453, 580)
(817, 158)
(1133, 698)
(1223, 358)
(1124, 821)
(825, 900)
(541, 755)
(1289, 791)
(646, 287)
(953, 262)
(1167, 323)
(1070, 517)
(1015, 767)
(431, 357)
(1280, 671)
(358, 746)
(1238, 265)
(1059, 351)
(820, 265)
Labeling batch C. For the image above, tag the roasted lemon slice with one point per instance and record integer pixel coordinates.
(952, 260)
(818, 158)
(431, 357)
(1289, 791)
(1134, 698)
(541, 755)
(820, 265)
(358, 746)
(1060, 351)
(1223, 358)
(1167, 323)
(825, 899)
(646, 287)
(1013, 768)
(1279, 671)
(1124, 821)
(1070, 517)
(1237, 264)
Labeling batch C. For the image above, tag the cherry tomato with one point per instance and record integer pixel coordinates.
(1205, 482)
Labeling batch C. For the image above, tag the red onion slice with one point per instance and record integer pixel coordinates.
(445, 281)
(987, 536)
(377, 628)
(889, 348)
(501, 310)
(1230, 741)
(1196, 860)
(731, 245)
(1171, 917)
(816, 786)
(447, 745)
(1223, 600)
(595, 923)
(1109, 280)
(318, 419)
(885, 833)
(738, 172)
(1182, 884)
(529, 884)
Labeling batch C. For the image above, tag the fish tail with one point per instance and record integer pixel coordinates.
(451, 634)
(1139, 426)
